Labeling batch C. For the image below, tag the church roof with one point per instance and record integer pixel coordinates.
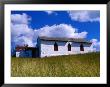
(80, 40)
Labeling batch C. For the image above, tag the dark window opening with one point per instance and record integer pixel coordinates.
(55, 47)
(81, 47)
(69, 47)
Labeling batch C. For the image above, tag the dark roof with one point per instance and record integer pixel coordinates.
(18, 48)
(81, 40)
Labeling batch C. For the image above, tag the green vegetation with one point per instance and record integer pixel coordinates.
(82, 65)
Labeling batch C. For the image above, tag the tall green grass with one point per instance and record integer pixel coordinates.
(82, 65)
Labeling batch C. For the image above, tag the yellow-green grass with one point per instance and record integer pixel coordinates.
(82, 65)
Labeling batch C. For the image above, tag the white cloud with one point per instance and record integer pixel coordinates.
(85, 15)
(20, 18)
(49, 12)
(22, 34)
(61, 30)
(95, 45)
(20, 31)
(81, 35)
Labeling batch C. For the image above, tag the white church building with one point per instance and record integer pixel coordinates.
(48, 46)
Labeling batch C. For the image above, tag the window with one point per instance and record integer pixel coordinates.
(69, 47)
(81, 47)
(55, 47)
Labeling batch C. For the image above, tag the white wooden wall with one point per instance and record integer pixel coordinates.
(47, 48)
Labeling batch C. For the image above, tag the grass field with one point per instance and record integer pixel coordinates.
(83, 65)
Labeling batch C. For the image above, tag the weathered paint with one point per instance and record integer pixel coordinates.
(17, 54)
(24, 53)
(47, 48)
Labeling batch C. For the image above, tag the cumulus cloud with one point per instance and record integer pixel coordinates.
(20, 19)
(22, 34)
(80, 35)
(85, 15)
(61, 30)
(20, 31)
(95, 45)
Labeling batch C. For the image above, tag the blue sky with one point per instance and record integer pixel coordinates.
(27, 25)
